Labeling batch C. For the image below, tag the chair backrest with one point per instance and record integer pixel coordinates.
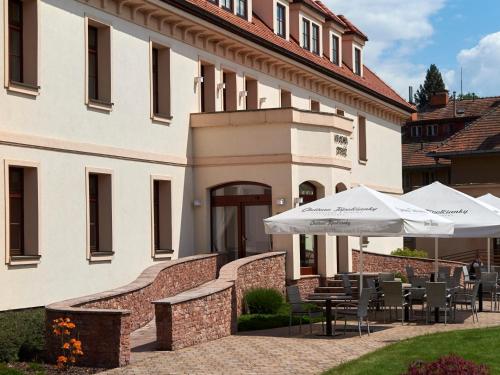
(436, 294)
(385, 276)
(457, 276)
(393, 293)
(364, 301)
(489, 280)
(346, 283)
(477, 271)
(475, 291)
(293, 293)
(465, 270)
(419, 282)
(410, 273)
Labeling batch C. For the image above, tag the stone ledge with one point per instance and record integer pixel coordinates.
(229, 272)
(145, 279)
(205, 290)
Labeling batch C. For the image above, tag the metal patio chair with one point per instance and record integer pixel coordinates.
(436, 296)
(358, 311)
(467, 298)
(301, 308)
(394, 297)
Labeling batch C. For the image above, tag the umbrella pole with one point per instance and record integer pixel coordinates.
(436, 264)
(489, 250)
(360, 265)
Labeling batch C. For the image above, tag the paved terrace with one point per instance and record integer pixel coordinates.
(275, 352)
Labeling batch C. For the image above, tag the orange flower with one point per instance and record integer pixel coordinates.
(71, 325)
(66, 332)
(65, 346)
(62, 359)
(72, 341)
(57, 332)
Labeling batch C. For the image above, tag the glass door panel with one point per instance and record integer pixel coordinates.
(255, 239)
(225, 233)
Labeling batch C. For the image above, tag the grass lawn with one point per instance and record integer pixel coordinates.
(478, 345)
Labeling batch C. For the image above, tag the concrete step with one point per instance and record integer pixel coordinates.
(329, 289)
(339, 283)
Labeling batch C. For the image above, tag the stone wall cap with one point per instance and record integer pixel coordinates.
(205, 290)
(145, 279)
(229, 272)
(411, 258)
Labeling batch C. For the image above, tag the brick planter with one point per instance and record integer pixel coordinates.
(211, 311)
(105, 320)
(307, 284)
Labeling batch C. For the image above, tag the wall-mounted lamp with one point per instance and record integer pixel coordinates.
(298, 201)
(243, 94)
(262, 101)
(196, 203)
(280, 202)
(197, 81)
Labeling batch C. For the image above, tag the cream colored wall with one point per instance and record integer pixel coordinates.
(60, 113)
(64, 271)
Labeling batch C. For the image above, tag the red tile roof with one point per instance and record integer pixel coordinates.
(470, 108)
(353, 29)
(415, 154)
(369, 82)
(483, 135)
(328, 13)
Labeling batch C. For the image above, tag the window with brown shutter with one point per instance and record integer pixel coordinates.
(362, 138)
(16, 211)
(94, 212)
(160, 83)
(162, 217)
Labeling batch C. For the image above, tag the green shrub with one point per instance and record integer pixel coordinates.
(263, 301)
(407, 252)
(399, 275)
(254, 322)
(22, 334)
(4, 370)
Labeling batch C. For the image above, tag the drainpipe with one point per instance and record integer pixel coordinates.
(454, 104)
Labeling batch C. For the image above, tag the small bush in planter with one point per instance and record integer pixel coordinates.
(263, 301)
(407, 252)
(448, 365)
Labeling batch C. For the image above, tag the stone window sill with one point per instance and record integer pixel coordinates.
(24, 260)
(100, 105)
(163, 254)
(363, 162)
(101, 256)
(23, 88)
(162, 118)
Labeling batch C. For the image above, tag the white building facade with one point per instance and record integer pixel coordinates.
(137, 131)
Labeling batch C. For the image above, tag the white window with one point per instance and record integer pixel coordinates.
(416, 131)
(432, 130)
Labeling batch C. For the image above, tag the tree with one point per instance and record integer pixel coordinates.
(433, 83)
(469, 95)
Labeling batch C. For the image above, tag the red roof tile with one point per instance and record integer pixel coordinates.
(353, 29)
(469, 108)
(415, 154)
(369, 81)
(483, 135)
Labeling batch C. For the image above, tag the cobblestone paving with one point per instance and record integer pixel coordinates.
(275, 352)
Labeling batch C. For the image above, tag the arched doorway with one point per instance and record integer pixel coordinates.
(308, 242)
(342, 242)
(237, 213)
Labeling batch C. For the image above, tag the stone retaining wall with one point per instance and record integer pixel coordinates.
(307, 284)
(211, 311)
(105, 320)
(373, 262)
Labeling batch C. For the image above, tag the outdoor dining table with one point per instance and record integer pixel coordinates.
(328, 301)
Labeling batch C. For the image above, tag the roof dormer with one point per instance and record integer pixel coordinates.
(242, 8)
(275, 14)
(353, 42)
(332, 41)
(306, 27)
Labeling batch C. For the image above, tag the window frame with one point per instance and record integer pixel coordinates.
(223, 5)
(281, 22)
(100, 104)
(238, 7)
(315, 42)
(335, 57)
(362, 136)
(99, 255)
(358, 64)
(161, 253)
(155, 80)
(25, 259)
(30, 82)
(306, 36)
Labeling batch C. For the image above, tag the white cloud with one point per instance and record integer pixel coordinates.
(481, 66)
(397, 31)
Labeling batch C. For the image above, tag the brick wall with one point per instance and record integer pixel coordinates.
(105, 320)
(307, 284)
(373, 262)
(211, 311)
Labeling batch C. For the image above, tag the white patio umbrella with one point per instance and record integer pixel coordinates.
(359, 212)
(494, 202)
(471, 217)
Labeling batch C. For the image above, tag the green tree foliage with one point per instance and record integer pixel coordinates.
(433, 83)
(468, 96)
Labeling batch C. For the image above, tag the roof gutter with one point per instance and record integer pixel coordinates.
(449, 154)
(198, 12)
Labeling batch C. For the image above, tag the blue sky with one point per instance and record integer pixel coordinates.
(407, 36)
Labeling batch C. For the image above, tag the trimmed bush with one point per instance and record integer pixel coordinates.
(407, 252)
(22, 335)
(255, 322)
(263, 301)
(450, 364)
(399, 275)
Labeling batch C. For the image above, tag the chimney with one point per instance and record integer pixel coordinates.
(440, 99)
(410, 94)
